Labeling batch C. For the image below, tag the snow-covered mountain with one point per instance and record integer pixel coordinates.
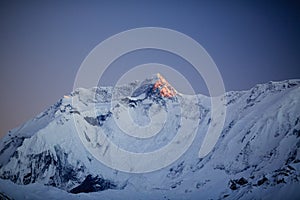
(256, 157)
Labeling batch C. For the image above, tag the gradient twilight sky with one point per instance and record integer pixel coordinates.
(43, 43)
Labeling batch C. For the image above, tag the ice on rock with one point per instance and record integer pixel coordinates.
(257, 155)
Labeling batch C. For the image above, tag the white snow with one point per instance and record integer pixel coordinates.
(259, 139)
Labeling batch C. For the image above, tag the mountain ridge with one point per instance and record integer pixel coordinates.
(264, 146)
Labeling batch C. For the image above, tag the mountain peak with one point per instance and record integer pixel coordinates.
(46, 154)
(164, 88)
(156, 85)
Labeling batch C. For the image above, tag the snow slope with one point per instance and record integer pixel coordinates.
(256, 157)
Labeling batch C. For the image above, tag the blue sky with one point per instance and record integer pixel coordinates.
(43, 43)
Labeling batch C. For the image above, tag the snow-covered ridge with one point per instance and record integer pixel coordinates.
(257, 153)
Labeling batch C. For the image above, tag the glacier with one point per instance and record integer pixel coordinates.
(256, 156)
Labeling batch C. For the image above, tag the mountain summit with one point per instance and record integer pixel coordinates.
(164, 88)
(157, 86)
(256, 157)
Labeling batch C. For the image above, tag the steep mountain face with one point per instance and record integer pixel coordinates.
(256, 157)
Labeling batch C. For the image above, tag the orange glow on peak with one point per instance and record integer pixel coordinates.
(165, 89)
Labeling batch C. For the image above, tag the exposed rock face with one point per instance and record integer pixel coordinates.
(93, 184)
(256, 154)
